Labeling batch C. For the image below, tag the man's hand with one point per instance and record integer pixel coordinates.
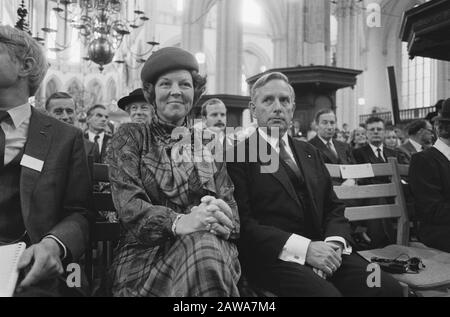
(45, 260)
(322, 256)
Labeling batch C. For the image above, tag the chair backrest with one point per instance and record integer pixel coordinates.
(392, 190)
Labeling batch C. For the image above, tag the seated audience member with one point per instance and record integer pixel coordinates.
(61, 106)
(381, 232)
(391, 140)
(44, 176)
(97, 122)
(295, 240)
(435, 113)
(421, 136)
(176, 207)
(137, 107)
(333, 151)
(429, 177)
(358, 138)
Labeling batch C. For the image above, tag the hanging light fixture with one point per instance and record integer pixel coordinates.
(101, 26)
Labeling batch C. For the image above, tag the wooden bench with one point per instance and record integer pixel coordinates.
(398, 211)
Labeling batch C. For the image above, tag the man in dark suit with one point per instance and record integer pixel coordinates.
(97, 121)
(420, 138)
(295, 240)
(61, 106)
(333, 151)
(44, 178)
(429, 177)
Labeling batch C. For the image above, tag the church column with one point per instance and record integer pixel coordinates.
(229, 47)
(348, 56)
(193, 28)
(443, 81)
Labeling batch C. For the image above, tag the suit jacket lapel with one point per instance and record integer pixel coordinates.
(325, 150)
(304, 160)
(280, 174)
(37, 146)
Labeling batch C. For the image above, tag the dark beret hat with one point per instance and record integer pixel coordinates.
(165, 60)
(135, 96)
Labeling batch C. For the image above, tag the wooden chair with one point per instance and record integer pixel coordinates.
(104, 235)
(434, 259)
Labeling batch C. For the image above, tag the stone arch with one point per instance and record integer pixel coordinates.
(111, 91)
(75, 88)
(53, 85)
(94, 93)
(262, 58)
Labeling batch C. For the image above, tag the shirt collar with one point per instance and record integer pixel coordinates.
(375, 149)
(325, 141)
(443, 148)
(93, 135)
(274, 142)
(20, 114)
(416, 145)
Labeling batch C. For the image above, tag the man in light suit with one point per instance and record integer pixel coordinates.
(420, 138)
(429, 177)
(295, 240)
(44, 178)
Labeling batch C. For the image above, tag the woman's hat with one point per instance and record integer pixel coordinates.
(445, 113)
(135, 96)
(165, 60)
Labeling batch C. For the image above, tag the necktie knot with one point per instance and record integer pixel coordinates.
(96, 138)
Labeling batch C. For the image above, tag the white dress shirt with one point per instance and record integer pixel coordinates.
(296, 247)
(16, 131)
(92, 136)
(417, 146)
(375, 150)
(443, 148)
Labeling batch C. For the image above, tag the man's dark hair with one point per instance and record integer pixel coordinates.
(91, 109)
(213, 101)
(443, 128)
(415, 126)
(322, 112)
(57, 95)
(374, 120)
(439, 105)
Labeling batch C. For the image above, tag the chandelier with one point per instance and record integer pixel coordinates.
(101, 26)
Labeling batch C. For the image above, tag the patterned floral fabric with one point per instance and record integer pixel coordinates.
(157, 171)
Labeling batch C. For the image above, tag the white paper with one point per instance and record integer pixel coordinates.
(32, 163)
(9, 259)
(357, 171)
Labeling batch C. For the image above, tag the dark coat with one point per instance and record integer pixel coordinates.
(99, 157)
(408, 150)
(429, 177)
(343, 150)
(269, 206)
(56, 200)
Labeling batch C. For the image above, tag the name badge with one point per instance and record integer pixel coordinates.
(32, 163)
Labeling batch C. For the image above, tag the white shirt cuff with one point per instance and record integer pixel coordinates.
(64, 255)
(295, 249)
(347, 248)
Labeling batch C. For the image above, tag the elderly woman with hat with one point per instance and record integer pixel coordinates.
(179, 218)
(429, 178)
(136, 106)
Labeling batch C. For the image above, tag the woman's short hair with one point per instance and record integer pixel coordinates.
(22, 46)
(199, 89)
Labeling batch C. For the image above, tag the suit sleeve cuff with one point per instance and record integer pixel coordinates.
(61, 245)
(347, 248)
(295, 249)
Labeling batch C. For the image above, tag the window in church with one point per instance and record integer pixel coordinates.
(251, 12)
(417, 75)
(51, 37)
(75, 48)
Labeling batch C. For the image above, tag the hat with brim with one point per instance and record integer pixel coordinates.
(445, 113)
(165, 60)
(135, 96)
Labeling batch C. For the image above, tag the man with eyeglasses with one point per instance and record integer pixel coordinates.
(421, 137)
(61, 106)
(44, 176)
